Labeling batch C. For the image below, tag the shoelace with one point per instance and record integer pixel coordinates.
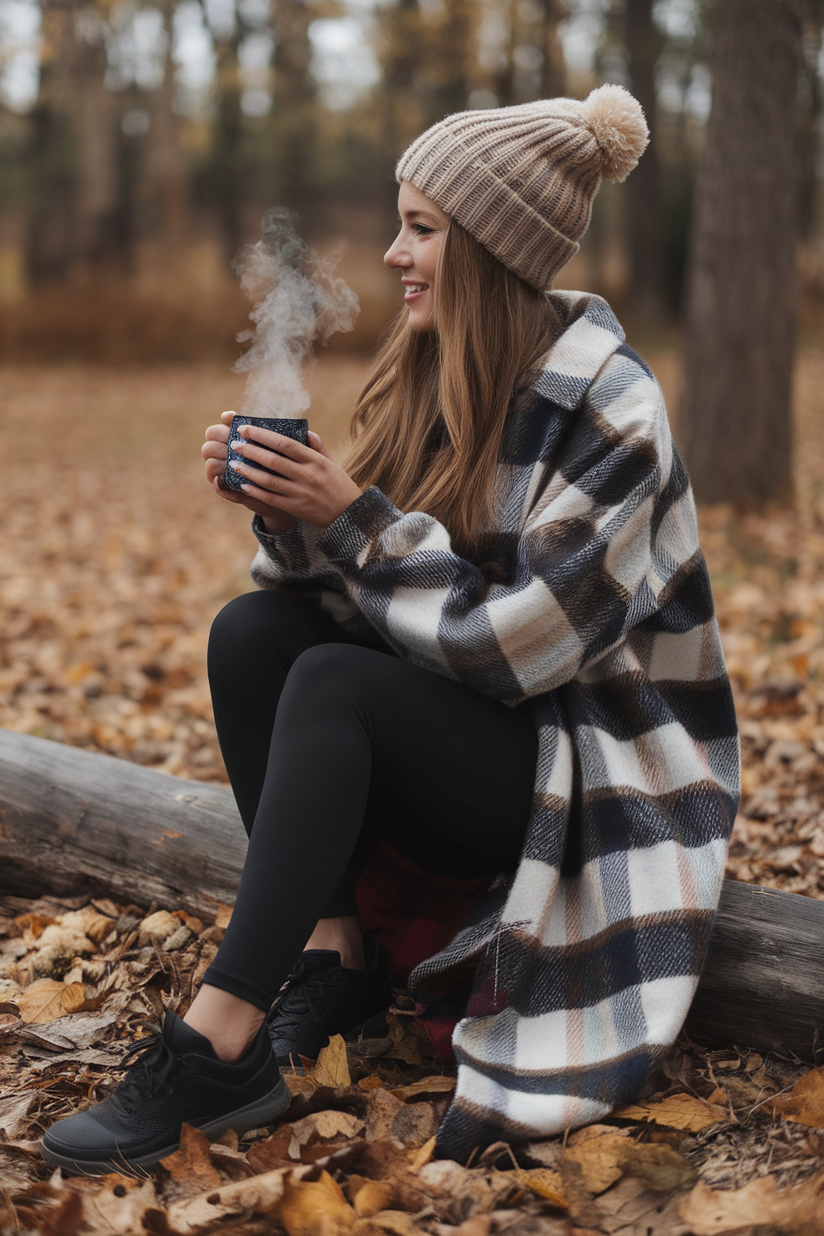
(150, 1062)
(294, 1000)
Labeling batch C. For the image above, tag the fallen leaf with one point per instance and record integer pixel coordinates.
(332, 1067)
(805, 1103)
(157, 927)
(257, 1195)
(371, 1197)
(271, 1152)
(761, 1202)
(599, 1159)
(660, 1166)
(120, 1205)
(419, 1158)
(387, 1223)
(13, 1110)
(190, 1166)
(76, 1030)
(319, 1131)
(631, 1209)
(678, 1111)
(427, 1086)
(46, 1000)
(544, 1182)
(224, 914)
(314, 1208)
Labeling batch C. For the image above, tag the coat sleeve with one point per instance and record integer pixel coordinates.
(583, 565)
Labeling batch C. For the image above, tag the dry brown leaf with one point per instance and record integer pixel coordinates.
(543, 1181)
(46, 1000)
(314, 1208)
(761, 1202)
(805, 1104)
(157, 927)
(88, 922)
(257, 1195)
(387, 1223)
(604, 1158)
(678, 1111)
(631, 1209)
(438, 1084)
(119, 1206)
(13, 1111)
(371, 1197)
(315, 1135)
(271, 1152)
(660, 1167)
(599, 1158)
(191, 1164)
(224, 914)
(332, 1068)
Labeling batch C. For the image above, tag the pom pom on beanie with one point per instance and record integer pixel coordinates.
(522, 179)
(616, 121)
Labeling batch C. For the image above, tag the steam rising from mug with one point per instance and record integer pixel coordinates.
(297, 303)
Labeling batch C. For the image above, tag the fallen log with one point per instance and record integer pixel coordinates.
(74, 823)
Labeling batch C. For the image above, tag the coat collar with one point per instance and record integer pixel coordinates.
(581, 351)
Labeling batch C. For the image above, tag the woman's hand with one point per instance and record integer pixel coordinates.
(310, 484)
(214, 452)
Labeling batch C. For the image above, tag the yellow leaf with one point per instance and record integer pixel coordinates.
(599, 1159)
(316, 1208)
(332, 1068)
(677, 1111)
(46, 1000)
(419, 1158)
(805, 1105)
(544, 1182)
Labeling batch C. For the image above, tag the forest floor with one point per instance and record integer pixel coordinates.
(116, 558)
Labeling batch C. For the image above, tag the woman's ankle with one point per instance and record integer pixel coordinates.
(341, 934)
(229, 1023)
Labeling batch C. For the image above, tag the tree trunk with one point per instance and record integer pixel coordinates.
(72, 823)
(553, 73)
(735, 423)
(648, 263)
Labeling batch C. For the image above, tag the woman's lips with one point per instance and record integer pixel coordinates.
(413, 290)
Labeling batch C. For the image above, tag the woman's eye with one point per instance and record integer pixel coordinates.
(422, 230)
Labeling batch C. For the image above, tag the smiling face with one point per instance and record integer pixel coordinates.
(415, 252)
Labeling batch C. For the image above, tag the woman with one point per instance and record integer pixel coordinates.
(520, 678)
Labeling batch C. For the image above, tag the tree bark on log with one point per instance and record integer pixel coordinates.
(73, 822)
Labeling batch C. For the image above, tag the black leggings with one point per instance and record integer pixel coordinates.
(320, 735)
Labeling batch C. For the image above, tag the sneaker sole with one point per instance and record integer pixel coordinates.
(253, 1116)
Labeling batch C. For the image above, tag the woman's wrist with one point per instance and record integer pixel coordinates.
(278, 522)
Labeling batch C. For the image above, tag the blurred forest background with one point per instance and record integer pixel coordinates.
(141, 140)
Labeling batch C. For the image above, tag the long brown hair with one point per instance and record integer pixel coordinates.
(429, 423)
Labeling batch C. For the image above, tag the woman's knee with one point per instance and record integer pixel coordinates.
(335, 672)
(251, 623)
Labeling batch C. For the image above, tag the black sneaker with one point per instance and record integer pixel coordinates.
(321, 998)
(175, 1078)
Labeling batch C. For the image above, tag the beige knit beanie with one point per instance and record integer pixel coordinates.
(522, 179)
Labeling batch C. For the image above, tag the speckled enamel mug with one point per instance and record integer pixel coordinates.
(290, 427)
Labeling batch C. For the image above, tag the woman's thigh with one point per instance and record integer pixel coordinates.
(446, 761)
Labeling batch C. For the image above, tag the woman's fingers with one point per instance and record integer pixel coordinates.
(217, 433)
(214, 450)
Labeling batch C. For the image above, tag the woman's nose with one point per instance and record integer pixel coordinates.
(396, 256)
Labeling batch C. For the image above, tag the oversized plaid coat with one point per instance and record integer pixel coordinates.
(598, 612)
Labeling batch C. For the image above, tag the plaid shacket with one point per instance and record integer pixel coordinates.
(598, 612)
